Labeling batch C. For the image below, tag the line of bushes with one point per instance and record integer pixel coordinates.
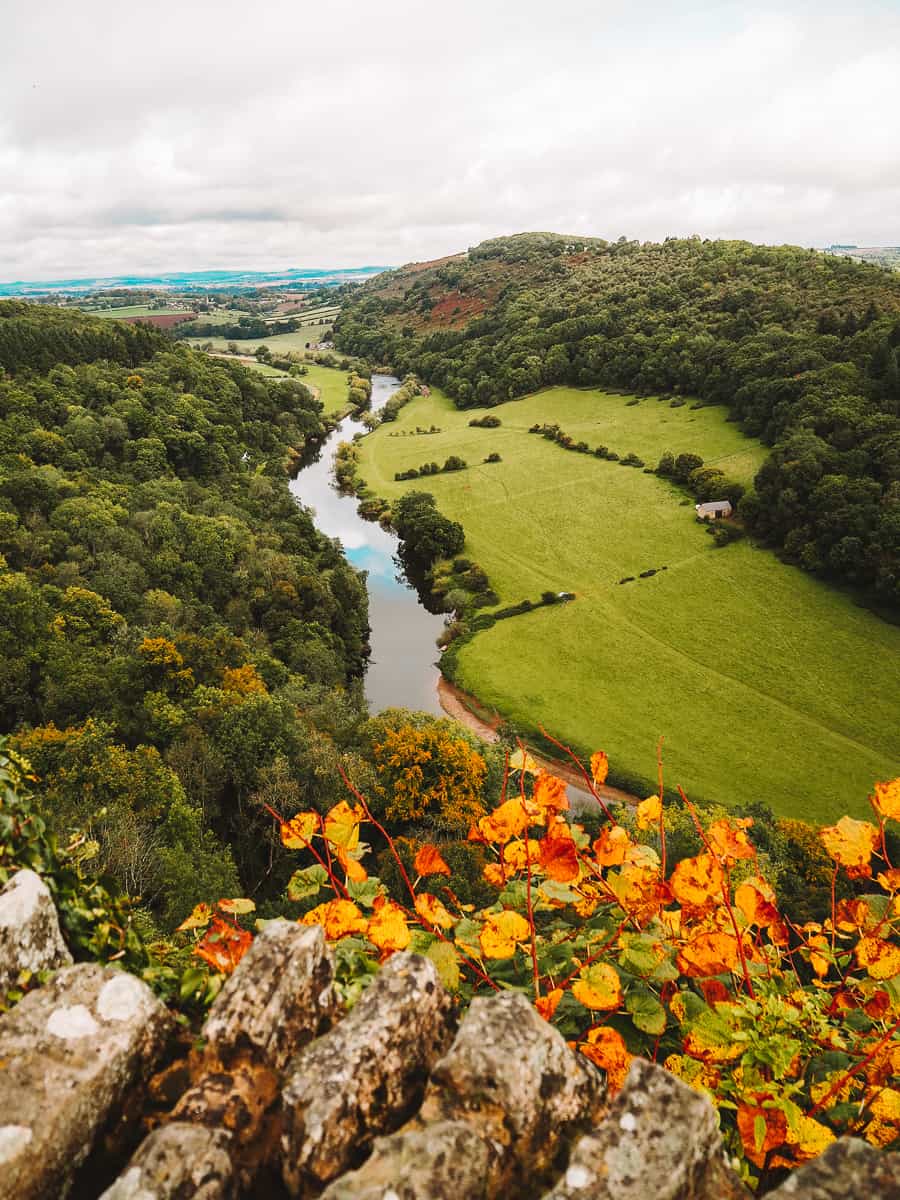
(486, 422)
(553, 433)
(452, 463)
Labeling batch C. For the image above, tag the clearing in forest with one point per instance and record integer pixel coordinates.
(757, 674)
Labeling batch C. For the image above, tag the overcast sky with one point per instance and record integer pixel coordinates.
(282, 133)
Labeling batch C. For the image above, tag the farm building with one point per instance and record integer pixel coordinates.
(713, 509)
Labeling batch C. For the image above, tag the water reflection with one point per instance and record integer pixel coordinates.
(402, 668)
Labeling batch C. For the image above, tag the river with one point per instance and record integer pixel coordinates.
(402, 671)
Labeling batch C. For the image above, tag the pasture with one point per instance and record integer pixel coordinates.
(757, 675)
(136, 310)
(278, 343)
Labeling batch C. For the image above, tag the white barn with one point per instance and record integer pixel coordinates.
(713, 509)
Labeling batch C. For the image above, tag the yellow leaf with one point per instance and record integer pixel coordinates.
(886, 800)
(708, 954)
(297, 833)
(611, 846)
(606, 1047)
(649, 812)
(550, 793)
(808, 1138)
(199, 918)
(519, 761)
(501, 932)
(342, 825)
(851, 843)
(505, 822)
(599, 767)
(697, 882)
(432, 911)
(387, 927)
(236, 907)
(598, 987)
(880, 958)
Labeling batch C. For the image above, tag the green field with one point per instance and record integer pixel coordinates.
(329, 383)
(137, 310)
(278, 343)
(765, 683)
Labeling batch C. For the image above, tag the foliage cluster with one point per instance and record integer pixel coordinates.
(452, 463)
(793, 1029)
(803, 349)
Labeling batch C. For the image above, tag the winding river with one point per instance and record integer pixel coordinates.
(402, 670)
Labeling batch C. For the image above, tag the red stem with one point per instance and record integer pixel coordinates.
(842, 1079)
(587, 778)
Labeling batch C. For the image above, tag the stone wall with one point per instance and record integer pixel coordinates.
(286, 1096)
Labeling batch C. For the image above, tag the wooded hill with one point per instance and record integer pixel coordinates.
(802, 347)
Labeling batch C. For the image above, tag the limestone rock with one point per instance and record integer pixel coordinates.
(366, 1076)
(279, 997)
(30, 939)
(178, 1162)
(850, 1169)
(446, 1161)
(513, 1078)
(660, 1139)
(69, 1054)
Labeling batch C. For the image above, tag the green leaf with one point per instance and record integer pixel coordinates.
(646, 1012)
(558, 891)
(445, 959)
(306, 882)
(365, 893)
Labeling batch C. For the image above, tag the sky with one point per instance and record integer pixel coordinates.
(140, 138)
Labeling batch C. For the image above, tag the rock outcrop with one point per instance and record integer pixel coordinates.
(30, 940)
(70, 1053)
(388, 1102)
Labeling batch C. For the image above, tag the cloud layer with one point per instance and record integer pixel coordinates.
(178, 136)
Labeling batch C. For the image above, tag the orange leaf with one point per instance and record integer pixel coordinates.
(223, 946)
(598, 987)
(606, 1048)
(880, 958)
(517, 854)
(493, 873)
(501, 933)
(337, 917)
(886, 800)
(708, 954)
(429, 862)
(728, 839)
(505, 822)
(756, 900)
(387, 927)
(199, 918)
(355, 871)
(599, 767)
(547, 1005)
(431, 910)
(649, 812)
(550, 793)
(761, 1130)
(697, 882)
(297, 833)
(611, 846)
(559, 859)
(851, 843)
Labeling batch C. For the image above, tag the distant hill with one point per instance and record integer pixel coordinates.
(801, 346)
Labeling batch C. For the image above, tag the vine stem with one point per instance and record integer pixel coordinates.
(528, 901)
(842, 1079)
(587, 779)
(336, 886)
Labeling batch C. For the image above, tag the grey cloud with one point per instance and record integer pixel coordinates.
(180, 136)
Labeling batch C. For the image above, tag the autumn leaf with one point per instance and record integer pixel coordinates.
(517, 854)
(756, 900)
(501, 932)
(611, 845)
(807, 1138)
(884, 1109)
(559, 859)
(199, 918)
(851, 843)
(547, 1005)
(598, 987)
(697, 882)
(223, 946)
(297, 833)
(606, 1048)
(886, 800)
(337, 917)
(599, 767)
(649, 812)
(387, 928)
(493, 874)
(429, 862)
(728, 839)
(505, 822)
(342, 825)
(881, 959)
(708, 954)
(355, 871)
(761, 1129)
(521, 760)
(701, 1076)
(550, 793)
(237, 907)
(432, 911)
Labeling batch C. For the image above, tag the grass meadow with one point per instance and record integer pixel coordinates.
(764, 682)
(136, 310)
(278, 343)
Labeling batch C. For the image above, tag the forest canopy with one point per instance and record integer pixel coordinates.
(803, 348)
